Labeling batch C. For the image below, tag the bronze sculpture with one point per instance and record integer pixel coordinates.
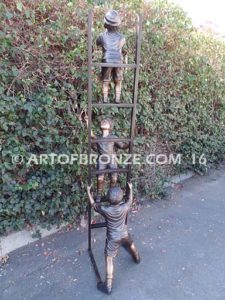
(107, 151)
(112, 43)
(116, 214)
(117, 232)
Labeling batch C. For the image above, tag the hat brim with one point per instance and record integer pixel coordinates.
(114, 24)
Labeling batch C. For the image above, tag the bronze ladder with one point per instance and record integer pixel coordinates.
(92, 173)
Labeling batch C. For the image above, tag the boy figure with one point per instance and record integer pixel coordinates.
(112, 43)
(107, 155)
(117, 232)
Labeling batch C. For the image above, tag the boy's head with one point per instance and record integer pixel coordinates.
(106, 124)
(115, 195)
(112, 20)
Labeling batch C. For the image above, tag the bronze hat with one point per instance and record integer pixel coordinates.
(112, 18)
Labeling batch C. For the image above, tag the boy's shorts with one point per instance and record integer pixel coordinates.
(111, 165)
(112, 247)
(115, 73)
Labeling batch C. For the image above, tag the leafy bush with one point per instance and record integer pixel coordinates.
(43, 97)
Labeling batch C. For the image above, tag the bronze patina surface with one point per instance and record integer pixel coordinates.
(114, 60)
(107, 150)
(117, 234)
(112, 43)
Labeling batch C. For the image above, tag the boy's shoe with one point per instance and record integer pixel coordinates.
(137, 258)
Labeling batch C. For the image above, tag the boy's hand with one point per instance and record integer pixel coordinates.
(130, 185)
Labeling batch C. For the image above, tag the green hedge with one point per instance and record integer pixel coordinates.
(43, 98)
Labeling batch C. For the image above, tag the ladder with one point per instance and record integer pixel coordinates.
(91, 104)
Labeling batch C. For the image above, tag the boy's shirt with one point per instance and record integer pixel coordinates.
(112, 43)
(115, 217)
(108, 147)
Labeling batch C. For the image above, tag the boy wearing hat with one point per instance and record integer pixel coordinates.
(117, 232)
(112, 42)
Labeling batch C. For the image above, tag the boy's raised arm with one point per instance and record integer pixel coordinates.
(90, 197)
(93, 136)
(130, 198)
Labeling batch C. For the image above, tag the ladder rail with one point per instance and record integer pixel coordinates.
(90, 21)
(135, 90)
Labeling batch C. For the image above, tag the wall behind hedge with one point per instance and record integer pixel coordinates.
(43, 98)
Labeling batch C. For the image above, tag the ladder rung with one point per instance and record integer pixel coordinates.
(113, 65)
(112, 104)
(108, 171)
(98, 225)
(100, 140)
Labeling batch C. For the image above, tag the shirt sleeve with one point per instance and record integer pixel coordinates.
(99, 209)
(121, 145)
